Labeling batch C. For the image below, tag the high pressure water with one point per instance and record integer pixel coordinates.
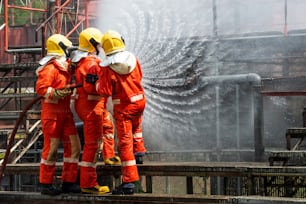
(201, 96)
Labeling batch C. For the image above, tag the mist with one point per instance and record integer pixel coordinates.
(179, 42)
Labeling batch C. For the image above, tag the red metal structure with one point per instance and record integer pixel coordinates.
(26, 35)
(24, 27)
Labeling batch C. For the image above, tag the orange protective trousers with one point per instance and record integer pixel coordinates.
(57, 125)
(129, 104)
(98, 125)
(128, 120)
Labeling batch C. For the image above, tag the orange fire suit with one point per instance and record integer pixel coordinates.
(120, 77)
(98, 125)
(57, 124)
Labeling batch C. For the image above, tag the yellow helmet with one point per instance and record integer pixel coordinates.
(57, 44)
(112, 42)
(89, 39)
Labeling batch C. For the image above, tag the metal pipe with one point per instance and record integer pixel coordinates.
(258, 123)
(58, 17)
(214, 12)
(75, 27)
(27, 8)
(286, 22)
(51, 16)
(86, 14)
(257, 101)
(237, 120)
(257, 107)
(253, 78)
(218, 142)
(6, 25)
(218, 145)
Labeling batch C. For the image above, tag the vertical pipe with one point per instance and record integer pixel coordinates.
(286, 23)
(43, 39)
(167, 185)
(86, 14)
(257, 103)
(218, 134)
(6, 23)
(304, 116)
(237, 122)
(58, 17)
(149, 188)
(189, 185)
(12, 16)
(238, 133)
(258, 123)
(214, 11)
(218, 146)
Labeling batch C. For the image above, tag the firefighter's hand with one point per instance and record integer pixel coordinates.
(61, 93)
(91, 78)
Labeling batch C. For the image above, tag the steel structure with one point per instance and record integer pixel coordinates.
(22, 44)
(45, 18)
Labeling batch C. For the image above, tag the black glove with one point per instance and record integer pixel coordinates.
(91, 78)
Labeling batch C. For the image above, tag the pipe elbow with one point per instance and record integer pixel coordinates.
(254, 78)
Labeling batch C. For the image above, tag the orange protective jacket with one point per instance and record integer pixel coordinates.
(120, 77)
(57, 123)
(91, 108)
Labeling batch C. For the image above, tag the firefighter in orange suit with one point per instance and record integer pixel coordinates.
(91, 109)
(58, 125)
(120, 77)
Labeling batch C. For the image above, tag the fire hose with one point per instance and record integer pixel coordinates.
(19, 120)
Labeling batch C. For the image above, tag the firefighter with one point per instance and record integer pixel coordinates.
(91, 109)
(57, 121)
(120, 77)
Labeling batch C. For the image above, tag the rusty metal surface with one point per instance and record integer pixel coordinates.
(296, 130)
(288, 153)
(267, 200)
(180, 169)
(250, 177)
(283, 93)
(11, 197)
(288, 157)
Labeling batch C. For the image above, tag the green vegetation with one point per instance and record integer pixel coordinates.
(19, 17)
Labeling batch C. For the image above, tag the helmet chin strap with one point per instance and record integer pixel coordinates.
(95, 44)
(65, 48)
(70, 50)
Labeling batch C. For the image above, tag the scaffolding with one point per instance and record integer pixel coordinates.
(24, 27)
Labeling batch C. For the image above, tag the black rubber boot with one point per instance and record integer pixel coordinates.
(124, 189)
(49, 189)
(68, 187)
(139, 159)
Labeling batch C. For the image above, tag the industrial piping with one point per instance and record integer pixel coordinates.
(257, 108)
(255, 80)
